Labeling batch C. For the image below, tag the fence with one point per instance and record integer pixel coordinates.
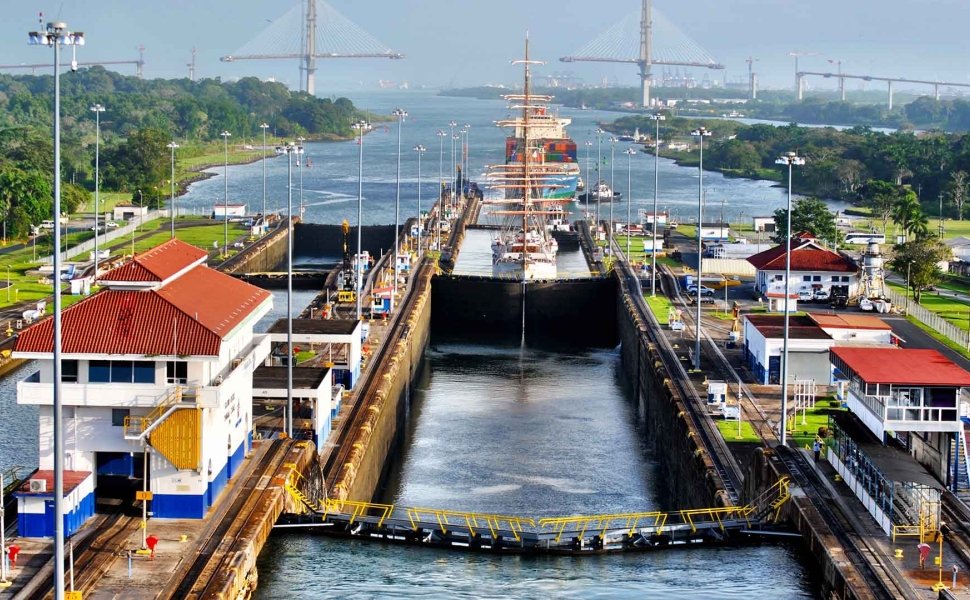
(930, 319)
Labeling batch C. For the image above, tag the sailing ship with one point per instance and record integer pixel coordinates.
(525, 249)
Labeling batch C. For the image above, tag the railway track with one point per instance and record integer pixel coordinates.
(93, 555)
(956, 524)
(197, 578)
(724, 463)
(878, 573)
(355, 415)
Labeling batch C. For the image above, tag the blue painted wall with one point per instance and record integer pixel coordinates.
(42, 524)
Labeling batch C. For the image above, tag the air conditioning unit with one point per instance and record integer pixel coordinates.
(37, 486)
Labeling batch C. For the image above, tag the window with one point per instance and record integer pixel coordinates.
(118, 416)
(177, 372)
(121, 371)
(143, 372)
(99, 371)
(69, 371)
(806, 278)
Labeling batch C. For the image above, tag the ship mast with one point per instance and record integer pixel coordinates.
(526, 189)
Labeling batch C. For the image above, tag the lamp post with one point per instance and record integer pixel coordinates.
(441, 184)
(599, 166)
(701, 133)
(225, 205)
(467, 131)
(8, 300)
(97, 109)
(289, 149)
(609, 238)
(299, 163)
(401, 114)
(56, 35)
(629, 196)
(420, 150)
(171, 146)
(360, 127)
(586, 186)
(264, 127)
(791, 160)
(454, 179)
(656, 198)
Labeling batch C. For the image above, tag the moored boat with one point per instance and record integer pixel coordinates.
(601, 192)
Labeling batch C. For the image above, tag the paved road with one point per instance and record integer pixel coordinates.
(917, 338)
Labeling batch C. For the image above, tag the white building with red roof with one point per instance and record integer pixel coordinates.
(915, 396)
(160, 363)
(813, 266)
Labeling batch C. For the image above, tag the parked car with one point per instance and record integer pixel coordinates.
(111, 224)
(822, 295)
(805, 296)
(705, 291)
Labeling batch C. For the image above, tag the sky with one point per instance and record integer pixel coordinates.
(468, 42)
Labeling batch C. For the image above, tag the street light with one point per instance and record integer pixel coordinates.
(599, 163)
(586, 186)
(441, 183)
(225, 205)
(790, 159)
(454, 199)
(289, 149)
(264, 127)
(171, 146)
(629, 196)
(420, 150)
(299, 163)
(401, 114)
(467, 131)
(609, 238)
(97, 109)
(360, 127)
(701, 133)
(656, 197)
(56, 35)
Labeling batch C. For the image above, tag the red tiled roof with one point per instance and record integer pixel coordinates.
(799, 327)
(72, 479)
(157, 264)
(902, 366)
(218, 301)
(806, 255)
(187, 316)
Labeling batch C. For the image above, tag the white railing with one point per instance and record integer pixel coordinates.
(930, 318)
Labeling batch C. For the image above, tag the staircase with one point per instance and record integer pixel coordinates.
(173, 428)
(961, 476)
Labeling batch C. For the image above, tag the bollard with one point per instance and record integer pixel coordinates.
(898, 553)
(129, 564)
(183, 538)
(955, 570)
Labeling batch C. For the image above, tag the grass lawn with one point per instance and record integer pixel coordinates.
(108, 202)
(666, 260)
(660, 307)
(804, 434)
(939, 337)
(729, 431)
(951, 228)
(952, 310)
(202, 236)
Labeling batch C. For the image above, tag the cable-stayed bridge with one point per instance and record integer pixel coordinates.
(310, 30)
(645, 38)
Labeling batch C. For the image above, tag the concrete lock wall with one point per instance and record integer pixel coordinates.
(385, 404)
(685, 466)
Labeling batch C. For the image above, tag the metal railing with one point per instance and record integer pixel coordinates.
(930, 318)
(136, 426)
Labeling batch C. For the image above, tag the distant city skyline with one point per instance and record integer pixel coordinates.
(468, 42)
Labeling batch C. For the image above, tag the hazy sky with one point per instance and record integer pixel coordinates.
(463, 42)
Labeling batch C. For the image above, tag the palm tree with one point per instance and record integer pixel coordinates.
(908, 215)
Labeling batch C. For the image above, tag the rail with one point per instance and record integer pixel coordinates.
(136, 426)
(727, 468)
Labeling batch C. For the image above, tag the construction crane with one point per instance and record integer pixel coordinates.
(604, 49)
(139, 64)
(308, 54)
(796, 54)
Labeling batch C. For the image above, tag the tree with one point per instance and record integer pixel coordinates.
(920, 258)
(26, 199)
(958, 190)
(880, 196)
(908, 214)
(808, 214)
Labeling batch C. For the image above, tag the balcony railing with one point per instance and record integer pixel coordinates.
(889, 408)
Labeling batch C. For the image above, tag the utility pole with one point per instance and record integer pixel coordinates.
(752, 78)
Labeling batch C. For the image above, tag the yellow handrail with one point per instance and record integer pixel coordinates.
(137, 425)
(472, 521)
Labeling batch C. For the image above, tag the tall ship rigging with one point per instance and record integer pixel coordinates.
(536, 184)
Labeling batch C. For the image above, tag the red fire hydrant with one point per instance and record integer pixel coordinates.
(151, 541)
(12, 551)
